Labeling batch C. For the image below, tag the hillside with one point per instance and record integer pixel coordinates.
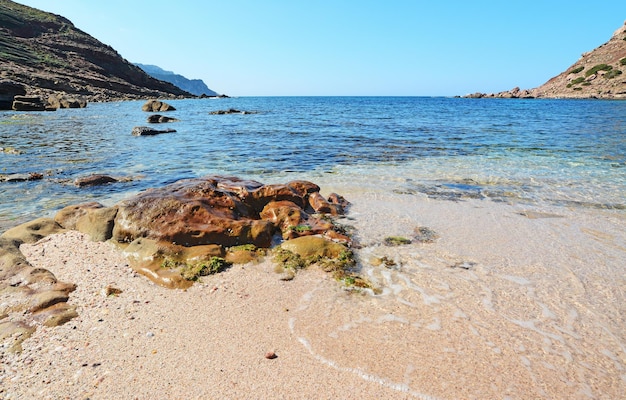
(48, 54)
(193, 86)
(600, 73)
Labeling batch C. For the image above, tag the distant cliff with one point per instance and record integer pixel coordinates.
(193, 86)
(600, 73)
(48, 54)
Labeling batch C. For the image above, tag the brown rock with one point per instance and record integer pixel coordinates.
(92, 219)
(29, 103)
(157, 106)
(191, 212)
(65, 101)
(94, 180)
(313, 246)
(32, 231)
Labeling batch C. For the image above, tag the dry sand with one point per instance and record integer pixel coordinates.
(509, 302)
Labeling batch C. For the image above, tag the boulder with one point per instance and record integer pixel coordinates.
(31, 176)
(65, 101)
(219, 210)
(29, 103)
(191, 212)
(147, 131)
(157, 106)
(159, 119)
(94, 180)
(8, 91)
(92, 219)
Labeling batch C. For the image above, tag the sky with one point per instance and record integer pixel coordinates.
(349, 47)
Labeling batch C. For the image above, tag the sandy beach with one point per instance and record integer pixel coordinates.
(508, 302)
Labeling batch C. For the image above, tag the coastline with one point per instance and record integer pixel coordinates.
(509, 301)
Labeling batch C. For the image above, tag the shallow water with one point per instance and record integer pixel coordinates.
(504, 304)
(564, 152)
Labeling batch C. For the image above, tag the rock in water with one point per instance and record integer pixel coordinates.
(159, 119)
(157, 106)
(147, 131)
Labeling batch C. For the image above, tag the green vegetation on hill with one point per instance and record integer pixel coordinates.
(597, 68)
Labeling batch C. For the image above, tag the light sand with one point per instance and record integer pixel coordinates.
(510, 302)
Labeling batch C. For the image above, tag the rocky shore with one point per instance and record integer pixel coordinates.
(173, 235)
(598, 74)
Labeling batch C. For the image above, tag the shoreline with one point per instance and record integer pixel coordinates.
(509, 301)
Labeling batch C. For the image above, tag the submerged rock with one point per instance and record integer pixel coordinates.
(147, 131)
(94, 180)
(32, 176)
(230, 111)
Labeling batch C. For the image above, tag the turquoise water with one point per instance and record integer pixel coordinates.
(557, 152)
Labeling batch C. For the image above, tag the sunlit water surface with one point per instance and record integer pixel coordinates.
(556, 151)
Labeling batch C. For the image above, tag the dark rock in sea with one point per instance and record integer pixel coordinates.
(157, 106)
(159, 119)
(230, 111)
(8, 91)
(32, 176)
(30, 103)
(147, 131)
(94, 180)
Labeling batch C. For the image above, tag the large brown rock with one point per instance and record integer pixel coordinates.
(219, 210)
(157, 106)
(191, 212)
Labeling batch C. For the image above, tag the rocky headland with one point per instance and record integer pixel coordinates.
(43, 55)
(598, 74)
(193, 86)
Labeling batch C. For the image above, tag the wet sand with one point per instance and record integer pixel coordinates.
(510, 301)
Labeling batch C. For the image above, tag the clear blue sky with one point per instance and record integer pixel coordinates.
(350, 47)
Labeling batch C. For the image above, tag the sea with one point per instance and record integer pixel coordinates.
(513, 284)
(562, 152)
